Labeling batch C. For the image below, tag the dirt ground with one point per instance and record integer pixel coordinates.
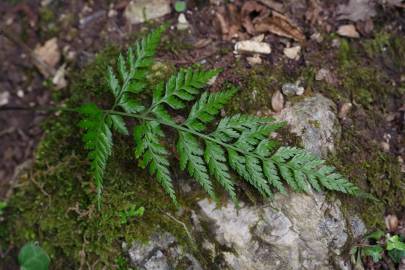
(83, 28)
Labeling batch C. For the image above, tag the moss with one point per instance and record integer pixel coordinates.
(369, 87)
(55, 201)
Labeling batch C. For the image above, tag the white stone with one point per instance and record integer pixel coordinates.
(4, 98)
(252, 47)
(293, 52)
(182, 23)
(138, 11)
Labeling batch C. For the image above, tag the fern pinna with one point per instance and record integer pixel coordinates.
(238, 143)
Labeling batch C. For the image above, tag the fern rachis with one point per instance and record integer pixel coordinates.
(239, 142)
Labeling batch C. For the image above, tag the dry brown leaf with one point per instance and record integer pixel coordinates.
(252, 11)
(348, 30)
(280, 25)
(229, 21)
(49, 53)
(274, 5)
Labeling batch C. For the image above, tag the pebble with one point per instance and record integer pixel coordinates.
(182, 23)
(254, 60)
(20, 93)
(277, 101)
(344, 110)
(348, 30)
(293, 52)
(137, 11)
(4, 98)
(292, 89)
(252, 46)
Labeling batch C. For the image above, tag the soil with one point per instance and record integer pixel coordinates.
(83, 28)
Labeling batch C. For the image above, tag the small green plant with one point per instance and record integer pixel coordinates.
(205, 150)
(378, 244)
(180, 6)
(3, 205)
(131, 212)
(33, 257)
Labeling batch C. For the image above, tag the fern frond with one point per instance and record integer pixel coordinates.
(183, 87)
(98, 140)
(152, 154)
(191, 157)
(215, 157)
(132, 70)
(207, 107)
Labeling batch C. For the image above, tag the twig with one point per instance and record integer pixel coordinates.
(182, 224)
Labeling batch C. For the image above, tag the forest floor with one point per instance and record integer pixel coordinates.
(43, 42)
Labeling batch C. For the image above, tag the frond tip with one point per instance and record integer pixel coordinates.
(98, 140)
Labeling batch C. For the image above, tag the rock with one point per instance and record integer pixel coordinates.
(182, 23)
(254, 60)
(162, 252)
(48, 53)
(344, 110)
(59, 79)
(314, 120)
(292, 89)
(348, 30)
(293, 52)
(277, 101)
(252, 46)
(4, 98)
(138, 11)
(298, 231)
(326, 75)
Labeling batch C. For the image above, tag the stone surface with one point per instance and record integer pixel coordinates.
(298, 231)
(292, 52)
(138, 11)
(161, 253)
(314, 120)
(252, 46)
(292, 89)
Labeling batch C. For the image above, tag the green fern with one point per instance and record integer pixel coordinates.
(239, 142)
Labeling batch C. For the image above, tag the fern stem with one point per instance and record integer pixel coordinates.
(191, 131)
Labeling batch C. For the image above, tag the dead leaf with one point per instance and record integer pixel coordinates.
(357, 10)
(49, 55)
(348, 30)
(274, 5)
(252, 11)
(277, 101)
(229, 21)
(280, 25)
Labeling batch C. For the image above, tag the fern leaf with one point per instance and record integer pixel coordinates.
(215, 157)
(98, 140)
(272, 175)
(152, 154)
(191, 157)
(184, 86)
(117, 123)
(230, 128)
(248, 168)
(207, 107)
